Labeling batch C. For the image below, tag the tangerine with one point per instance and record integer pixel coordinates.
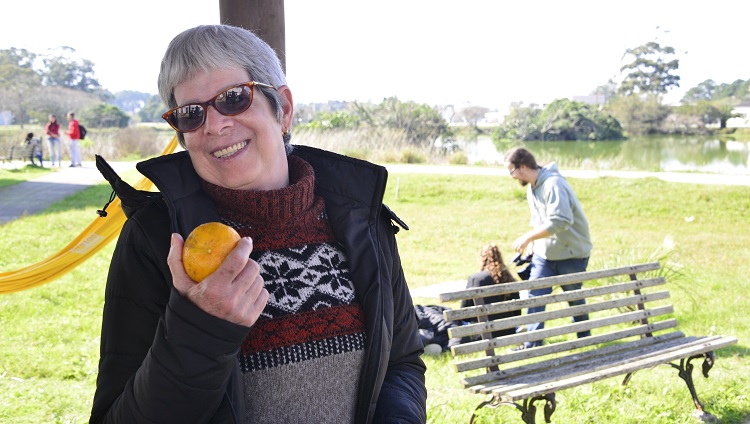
(206, 247)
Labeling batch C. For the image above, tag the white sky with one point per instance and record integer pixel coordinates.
(485, 52)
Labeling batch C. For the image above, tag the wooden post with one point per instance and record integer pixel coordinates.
(264, 17)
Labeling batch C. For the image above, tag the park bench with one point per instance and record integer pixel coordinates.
(9, 155)
(28, 151)
(25, 152)
(631, 330)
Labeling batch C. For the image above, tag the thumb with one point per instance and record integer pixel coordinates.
(180, 278)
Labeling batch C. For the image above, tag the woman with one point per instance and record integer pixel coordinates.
(309, 319)
(52, 129)
(492, 270)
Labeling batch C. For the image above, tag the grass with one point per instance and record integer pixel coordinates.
(50, 334)
(10, 176)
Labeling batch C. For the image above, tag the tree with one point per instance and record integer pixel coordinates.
(421, 123)
(702, 91)
(650, 71)
(737, 90)
(639, 115)
(64, 71)
(521, 123)
(608, 91)
(18, 57)
(473, 114)
(103, 115)
(562, 119)
(152, 110)
(131, 101)
(568, 120)
(723, 110)
(709, 90)
(20, 91)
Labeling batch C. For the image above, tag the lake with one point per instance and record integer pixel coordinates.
(656, 154)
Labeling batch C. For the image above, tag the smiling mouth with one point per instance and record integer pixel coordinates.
(229, 151)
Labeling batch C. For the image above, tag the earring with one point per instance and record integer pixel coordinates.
(284, 132)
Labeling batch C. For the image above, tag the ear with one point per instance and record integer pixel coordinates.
(287, 106)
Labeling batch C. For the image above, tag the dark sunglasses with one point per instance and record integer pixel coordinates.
(232, 101)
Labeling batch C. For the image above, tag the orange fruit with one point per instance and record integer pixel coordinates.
(206, 247)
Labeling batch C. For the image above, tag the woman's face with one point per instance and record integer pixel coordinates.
(241, 152)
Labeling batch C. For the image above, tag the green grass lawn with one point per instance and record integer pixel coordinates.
(50, 334)
(14, 175)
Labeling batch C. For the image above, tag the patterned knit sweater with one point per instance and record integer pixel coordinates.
(302, 359)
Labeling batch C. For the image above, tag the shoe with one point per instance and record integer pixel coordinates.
(517, 348)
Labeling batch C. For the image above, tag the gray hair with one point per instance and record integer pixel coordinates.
(208, 47)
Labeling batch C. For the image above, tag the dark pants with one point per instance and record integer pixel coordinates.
(541, 268)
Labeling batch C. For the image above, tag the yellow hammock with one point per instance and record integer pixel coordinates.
(91, 240)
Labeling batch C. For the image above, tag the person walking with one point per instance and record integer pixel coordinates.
(74, 132)
(559, 239)
(52, 129)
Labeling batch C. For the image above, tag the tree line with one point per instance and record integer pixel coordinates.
(33, 86)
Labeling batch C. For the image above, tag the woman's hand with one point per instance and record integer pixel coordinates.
(235, 292)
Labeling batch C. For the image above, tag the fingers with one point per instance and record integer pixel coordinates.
(234, 292)
(180, 279)
(257, 297)
(235, 263)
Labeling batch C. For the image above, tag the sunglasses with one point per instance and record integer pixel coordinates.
(230, 102)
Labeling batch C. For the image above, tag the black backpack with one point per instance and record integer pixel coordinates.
(82, 130)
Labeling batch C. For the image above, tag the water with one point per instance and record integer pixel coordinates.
(656, 154)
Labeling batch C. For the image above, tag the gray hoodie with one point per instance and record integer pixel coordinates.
(555, 206)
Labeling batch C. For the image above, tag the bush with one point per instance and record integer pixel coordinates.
(411, 155)
(128, 143)
(458, 158)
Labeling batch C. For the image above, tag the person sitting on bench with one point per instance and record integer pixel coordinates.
(36, 148)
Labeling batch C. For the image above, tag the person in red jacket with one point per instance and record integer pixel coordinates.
(74, 132)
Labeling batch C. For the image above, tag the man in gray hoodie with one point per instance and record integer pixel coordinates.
(559, 238)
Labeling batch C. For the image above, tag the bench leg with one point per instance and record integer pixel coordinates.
(685, 371)
(528, 409)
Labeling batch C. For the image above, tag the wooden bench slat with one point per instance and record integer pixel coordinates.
(655, 355)
(482, 345)
(482, 380)
(514, 322)
(631, 366)
(509, 357)
(546, 282)
(514, 305)
(566, 366)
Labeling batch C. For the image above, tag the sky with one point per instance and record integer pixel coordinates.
(482, 52)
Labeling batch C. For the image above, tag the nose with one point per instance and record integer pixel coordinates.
(215, 121)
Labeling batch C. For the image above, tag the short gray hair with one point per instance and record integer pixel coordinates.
(208, 47)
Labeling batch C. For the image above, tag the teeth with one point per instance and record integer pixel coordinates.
(229, 151)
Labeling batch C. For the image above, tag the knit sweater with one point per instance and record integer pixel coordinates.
(302, 359)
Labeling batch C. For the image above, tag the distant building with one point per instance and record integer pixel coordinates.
(744, 121)
(6, 118)
(593, 99)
